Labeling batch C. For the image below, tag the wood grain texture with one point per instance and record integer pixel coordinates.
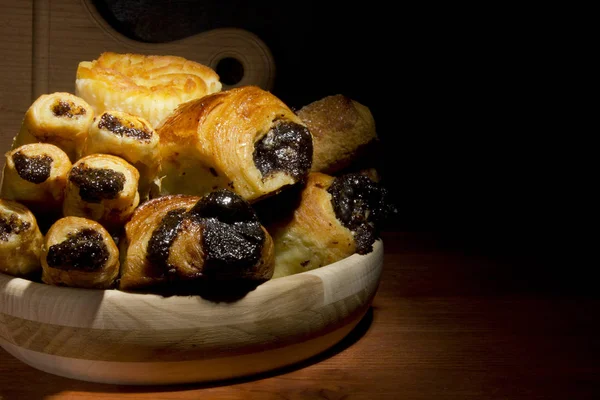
(117, 337)
(446, 323)
(15, 68)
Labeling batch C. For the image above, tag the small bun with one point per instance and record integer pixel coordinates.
(103, 188)
(20, 240)
(36, 175)
(79, 252)
(58, 118)
(129, 137)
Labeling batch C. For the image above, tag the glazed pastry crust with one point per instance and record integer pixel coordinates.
(186, 253)
(59, 118)
(208, 144)
(137, 272)
(104, 278)
(44, 196)
(313, 237)
(20, 240)
(111, 213)
(138, 145)
(341, 128)
(150, 87)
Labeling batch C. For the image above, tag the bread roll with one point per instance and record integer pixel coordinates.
(79, 252)
(129, 137)
(333, 218)
(36, 175)
(147, 86)
(20, 240)
(58, 118)
(182, 242)
(103, 188)
(244, 139)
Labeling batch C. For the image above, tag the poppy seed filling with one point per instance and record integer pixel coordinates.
(35, 169)
(12, 225)
(360, 204)
(287, 147)
(116, 126)
(97, 184)
(83, 250)
(232, 237)
(67, 109)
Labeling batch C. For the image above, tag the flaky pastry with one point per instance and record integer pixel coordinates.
(148, 86)
(244, 139)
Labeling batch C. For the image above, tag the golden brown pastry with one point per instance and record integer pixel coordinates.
(36, 175)
(341, 128)
(79, 252)
(103, 188)
(20, 240)
(183, 242)
(333, 218)
(129, 137)
(147, 86)
(244, 139)
(58, 118)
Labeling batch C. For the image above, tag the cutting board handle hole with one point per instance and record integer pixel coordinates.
(230, 70)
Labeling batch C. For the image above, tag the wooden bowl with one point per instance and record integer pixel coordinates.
(123, 338)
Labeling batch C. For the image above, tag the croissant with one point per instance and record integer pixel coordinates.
(129, 137)
(244, 139)
(79, 252)
(184, 242)
(342, 129)
(103, 188)
(332, 218)
(36, 175)
(147, 86)
(20, 240)
(58, 118)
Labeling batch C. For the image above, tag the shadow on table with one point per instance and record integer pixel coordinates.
(57, 384)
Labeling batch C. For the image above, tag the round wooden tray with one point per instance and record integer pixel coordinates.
(123, 338)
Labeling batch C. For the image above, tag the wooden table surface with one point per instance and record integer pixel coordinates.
(451, 320)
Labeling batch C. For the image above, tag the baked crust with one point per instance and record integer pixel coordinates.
(208, 144)
(129, 137)
(39, 196)
(341, 129)
(104, 277)
(58, 118)
(149, 86)
(186, 257)
(313, 237)
(20, 240)
(111, 212)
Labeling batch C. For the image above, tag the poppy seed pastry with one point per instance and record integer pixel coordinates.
(79, 252)
(36, 175)
(129, 137)
(20, 240)
(103, 188)
(243, 139)
(183, 241)
(58, 118)
(332, 218)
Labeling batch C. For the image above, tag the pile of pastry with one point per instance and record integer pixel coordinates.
(152, 178)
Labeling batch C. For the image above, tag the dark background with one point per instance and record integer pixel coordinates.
(458, 96)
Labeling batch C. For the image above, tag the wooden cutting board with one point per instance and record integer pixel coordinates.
(43, 42)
